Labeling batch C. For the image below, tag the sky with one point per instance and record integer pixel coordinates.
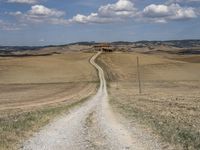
(46, 22)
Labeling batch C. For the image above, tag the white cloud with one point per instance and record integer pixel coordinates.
(164, 13)
(125, 9)
(156, 11)
(108, 13)
(182, 12)
(122, 10)
(92, 18)
(23, 1)
(41, 14)
(42, 11)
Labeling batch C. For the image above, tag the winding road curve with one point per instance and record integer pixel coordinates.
(91, 126)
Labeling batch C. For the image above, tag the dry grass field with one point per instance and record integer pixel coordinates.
(69, 67)
(33, 90)
(170, 101)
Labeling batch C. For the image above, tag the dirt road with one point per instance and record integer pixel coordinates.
(92, 126)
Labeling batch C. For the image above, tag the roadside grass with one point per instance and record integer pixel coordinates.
(107, 72)
(172, 129)
(17, 127)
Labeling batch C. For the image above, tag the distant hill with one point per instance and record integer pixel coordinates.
(20, 48)
(176, 43)
(132, 45)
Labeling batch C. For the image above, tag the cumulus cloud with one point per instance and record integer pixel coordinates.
(92, 18)
(23, 1)
(156, 11)
(42, 11)
(41, 14)
(120, 11)
(123, 8)
(108, 13)
(163, 13)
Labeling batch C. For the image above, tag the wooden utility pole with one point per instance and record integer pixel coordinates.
(138, 75)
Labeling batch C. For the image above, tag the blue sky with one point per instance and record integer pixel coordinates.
(43, 22)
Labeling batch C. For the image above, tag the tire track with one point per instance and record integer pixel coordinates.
(93, 126)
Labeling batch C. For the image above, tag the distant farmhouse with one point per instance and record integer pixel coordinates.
(105, 47)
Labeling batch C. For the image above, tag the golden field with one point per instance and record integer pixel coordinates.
(35, 89)
(170, 101)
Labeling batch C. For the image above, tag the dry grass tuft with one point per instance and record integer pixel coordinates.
(17, 127)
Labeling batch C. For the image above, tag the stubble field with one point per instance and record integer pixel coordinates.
(33, 90)
(170, 101)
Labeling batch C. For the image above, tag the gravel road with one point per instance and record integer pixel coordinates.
(93, 126)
